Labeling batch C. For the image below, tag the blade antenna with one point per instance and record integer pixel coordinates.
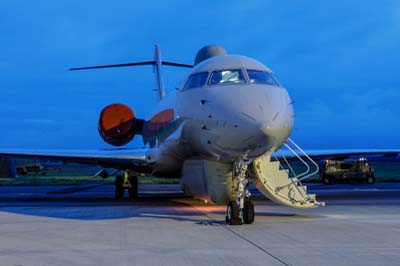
(157, 72)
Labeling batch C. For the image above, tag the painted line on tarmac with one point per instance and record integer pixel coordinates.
(257, 246)
(74, 189)
(227, 227)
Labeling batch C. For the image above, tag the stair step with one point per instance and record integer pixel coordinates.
(275, 184)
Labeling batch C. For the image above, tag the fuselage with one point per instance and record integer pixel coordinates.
(227, 105)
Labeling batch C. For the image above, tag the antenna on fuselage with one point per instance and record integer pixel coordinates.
(157, 72)
(157, 63)
(207, 52)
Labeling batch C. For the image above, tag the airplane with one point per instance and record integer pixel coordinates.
(218, 131)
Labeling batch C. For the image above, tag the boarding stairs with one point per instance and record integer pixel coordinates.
(284, 185)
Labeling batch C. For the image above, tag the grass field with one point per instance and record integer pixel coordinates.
(71, 174)
(62, 180)
(74, 174)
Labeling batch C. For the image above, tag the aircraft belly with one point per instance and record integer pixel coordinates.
(208, 180)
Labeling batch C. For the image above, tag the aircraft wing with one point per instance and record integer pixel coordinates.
(339, 153)
(108, 158)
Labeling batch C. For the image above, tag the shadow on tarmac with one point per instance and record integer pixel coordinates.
(98, 204)
(181, 209)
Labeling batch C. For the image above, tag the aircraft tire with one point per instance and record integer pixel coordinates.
(327, 179)
(370, 179)
(248, 212)
(119, 187)
(232, 213)
(133, 189)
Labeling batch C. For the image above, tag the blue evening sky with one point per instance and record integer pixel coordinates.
(338, 59)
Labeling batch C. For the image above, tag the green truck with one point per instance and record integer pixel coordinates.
(332, 171)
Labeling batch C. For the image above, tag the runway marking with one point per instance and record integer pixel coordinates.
(239, 235)
(69, 190)
(366, 189)
(257, 246)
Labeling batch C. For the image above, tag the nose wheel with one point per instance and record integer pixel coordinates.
(248, 212)
(241, 210)
(234, 216)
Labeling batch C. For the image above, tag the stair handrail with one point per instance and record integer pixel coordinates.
(295, 183)
(301, 160)
(287, 163)
(306, 173)
(308, 157)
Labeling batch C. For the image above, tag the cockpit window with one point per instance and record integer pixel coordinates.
(261, 77)
(227, 77)
(196, 80)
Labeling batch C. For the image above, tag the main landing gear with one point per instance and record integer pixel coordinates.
(127, 181)
(241, 210)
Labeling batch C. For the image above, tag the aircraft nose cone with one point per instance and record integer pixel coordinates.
(279, 123)
(277, 133)
(253, 119)
(274, 117)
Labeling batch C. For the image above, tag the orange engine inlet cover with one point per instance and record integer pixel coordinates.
(117, 124)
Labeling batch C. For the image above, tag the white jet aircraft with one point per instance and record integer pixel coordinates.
(218, 132)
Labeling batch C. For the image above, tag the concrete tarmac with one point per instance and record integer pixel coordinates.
(84, 225)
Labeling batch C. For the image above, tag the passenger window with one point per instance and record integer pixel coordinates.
(261, 77)
(196, 80)
(227, 77)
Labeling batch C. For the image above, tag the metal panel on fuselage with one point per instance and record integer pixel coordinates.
(224, 121)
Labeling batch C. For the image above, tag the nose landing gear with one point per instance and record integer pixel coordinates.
(248, 212)
(234, 216)
(241, 210)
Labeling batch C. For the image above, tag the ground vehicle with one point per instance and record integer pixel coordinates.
(332, 171)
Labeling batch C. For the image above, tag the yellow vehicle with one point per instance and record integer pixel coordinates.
(332, 171)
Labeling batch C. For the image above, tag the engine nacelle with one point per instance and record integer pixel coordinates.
(118, 124)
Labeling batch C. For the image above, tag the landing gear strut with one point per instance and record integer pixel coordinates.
(241, 210)
(119, 187)
(127, 181)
